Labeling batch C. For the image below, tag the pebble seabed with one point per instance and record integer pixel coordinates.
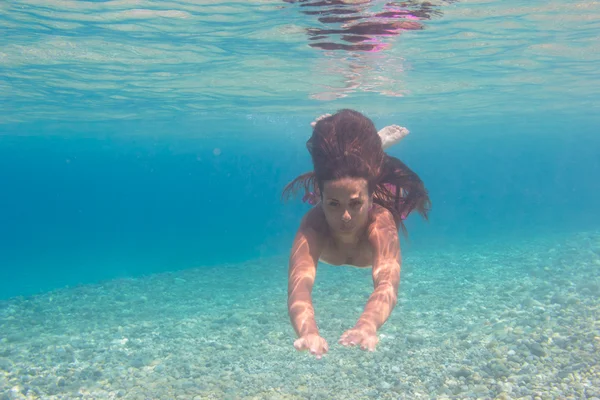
(501, 321)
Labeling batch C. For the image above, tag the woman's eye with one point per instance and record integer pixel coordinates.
(333, 204)
(356, 204)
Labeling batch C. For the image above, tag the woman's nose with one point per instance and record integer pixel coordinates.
(346, 216)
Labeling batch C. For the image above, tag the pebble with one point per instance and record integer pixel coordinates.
(536, 349)
(415, 339)
(6, 364)
(462, 373)
(538, 344)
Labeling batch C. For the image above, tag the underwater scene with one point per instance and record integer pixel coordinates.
(299, 199)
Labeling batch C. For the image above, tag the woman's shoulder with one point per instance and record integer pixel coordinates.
(380, 217)
(378, 211)
(314, 219)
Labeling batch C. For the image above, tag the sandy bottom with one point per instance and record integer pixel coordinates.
(500, 321)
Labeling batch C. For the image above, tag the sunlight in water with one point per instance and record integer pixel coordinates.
(121, 59)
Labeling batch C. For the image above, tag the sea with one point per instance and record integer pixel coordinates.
(144, 240)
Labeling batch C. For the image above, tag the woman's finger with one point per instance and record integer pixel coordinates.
(300, 344)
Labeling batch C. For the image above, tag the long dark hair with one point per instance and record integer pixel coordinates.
(346, 144)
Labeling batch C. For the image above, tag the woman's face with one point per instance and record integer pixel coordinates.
(346, 204)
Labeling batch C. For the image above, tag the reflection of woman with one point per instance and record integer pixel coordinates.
(359, 29)
(363, 196)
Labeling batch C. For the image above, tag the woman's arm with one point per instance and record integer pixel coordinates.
(383, 237)
(306, 251)
(301, 277)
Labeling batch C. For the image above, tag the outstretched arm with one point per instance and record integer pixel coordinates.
(383, 237)
(301, 277)
(386, 271)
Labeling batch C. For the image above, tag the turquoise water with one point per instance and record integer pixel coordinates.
(143, 241)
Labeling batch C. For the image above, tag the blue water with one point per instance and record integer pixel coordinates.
(80, 207)
(139, 139)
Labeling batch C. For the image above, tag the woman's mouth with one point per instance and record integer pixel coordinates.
(345, 228)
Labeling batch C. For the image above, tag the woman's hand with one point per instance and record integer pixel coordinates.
(313, 343)
(364, 337)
